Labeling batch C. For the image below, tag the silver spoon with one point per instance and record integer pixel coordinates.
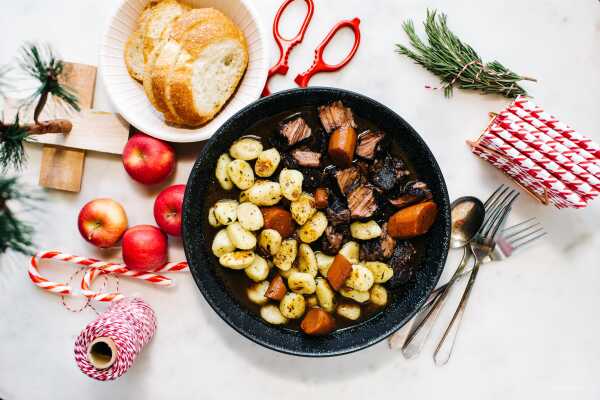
(467, 217)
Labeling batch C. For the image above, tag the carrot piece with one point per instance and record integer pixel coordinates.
(339, 271)
(321, 198)
(317, 322)
(342, 144)
(412, 221)
(276, 289)
(279, 219)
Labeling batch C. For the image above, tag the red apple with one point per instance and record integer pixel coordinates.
(102, 222)
(148, 160)
(167, 209)
(144, 248)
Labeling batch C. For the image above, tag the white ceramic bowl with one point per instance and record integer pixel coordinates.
(128, 95)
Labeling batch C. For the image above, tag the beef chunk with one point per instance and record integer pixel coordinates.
(368, 143)
(337, 212)
(361, 202)
(378, 249)
(387, 172)
(335, 115)
(294, 129)
(331, 242)
(348, 179)
(411, 193)
(402, 262)
(306, 158)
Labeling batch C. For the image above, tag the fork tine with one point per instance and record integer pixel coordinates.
(495, 197)
(525, 236)
(524, 231)
(501, 220)
(505, 201)
(510, 228)
(530, 240)
(492, 196)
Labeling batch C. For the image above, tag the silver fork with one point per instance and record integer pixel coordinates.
(482, 247)
(516, 237)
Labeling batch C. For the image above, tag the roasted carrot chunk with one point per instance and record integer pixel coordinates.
(339, 271)
(279, 219)
(276, 289)
(317, 322)
(341, 146)
(412, 221)
(321, 198)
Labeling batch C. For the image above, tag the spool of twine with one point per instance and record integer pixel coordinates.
(107, 347)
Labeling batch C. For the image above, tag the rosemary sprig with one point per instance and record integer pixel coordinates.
(42, 64)
(15, 234)
(12, 153)
(457, 63)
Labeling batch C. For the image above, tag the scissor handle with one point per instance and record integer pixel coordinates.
(319, 65)
(286, 45)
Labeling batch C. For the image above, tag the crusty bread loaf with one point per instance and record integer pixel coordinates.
(199, 87)
(134, 48)
(158, 26)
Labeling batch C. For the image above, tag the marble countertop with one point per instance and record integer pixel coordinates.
(531, 329)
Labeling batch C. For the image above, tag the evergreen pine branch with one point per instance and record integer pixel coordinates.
(15, 234)
(455, 62)
(12, 153)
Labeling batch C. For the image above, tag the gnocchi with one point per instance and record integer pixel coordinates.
(264, 193)
(272, 315)
(256, 293)
(246, 149)
(267, 163)
(237, 259)
(307, 261)
(349, 311)
(324, 261)
(365, 230)
(222, 244)
(351, 251)
(303, 208)
(356, 295)
(290, 181)
(360, 279)
(325, 294)
(225, 211)
(241, 174)
(379, 295)
(269, 241)
(240, 237)
(381, 271)
(311, 301)
(286, 255)
(250, 216)
(292, 305)
(258, 270)
(302, 283)
(313, 228)
(221, 172)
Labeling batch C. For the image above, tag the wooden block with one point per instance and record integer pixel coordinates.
(62, 169)
(82, 79)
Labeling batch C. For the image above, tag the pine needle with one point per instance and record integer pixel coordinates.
(457, 63)
(15, 234)
(12, 153)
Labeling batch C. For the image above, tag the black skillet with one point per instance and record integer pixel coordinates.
(203, 264)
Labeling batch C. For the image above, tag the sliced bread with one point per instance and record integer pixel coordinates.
(134, 48)
(158, 24)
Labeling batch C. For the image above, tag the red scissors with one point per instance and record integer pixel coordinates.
(319, 65)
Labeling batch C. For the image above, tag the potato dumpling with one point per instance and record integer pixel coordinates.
(246, 149)
(379, 295)
(313, 228)
(267, 163)
(222, 244)
(323, 262)
(264, 193)
(356, 295)
(351, 251)
(241, 174)
(292, 305)
(226, 211)
(286, 255)
(258, 270)
(291, 183)
(381, 271)
(212, 218)
(256, 293)
(237, 259)
(361, 278)
(244, 197)
(286, 274)
(250, 216)
(240, 237)
(303, 208)
(221, 172)
(269, 241)
(325, 294)
(302, 283)
(365, 230)
(307, 262)
(312, 301)
(349, 311)
(272, 315)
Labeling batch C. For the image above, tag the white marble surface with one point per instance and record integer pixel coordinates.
(531, 329)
